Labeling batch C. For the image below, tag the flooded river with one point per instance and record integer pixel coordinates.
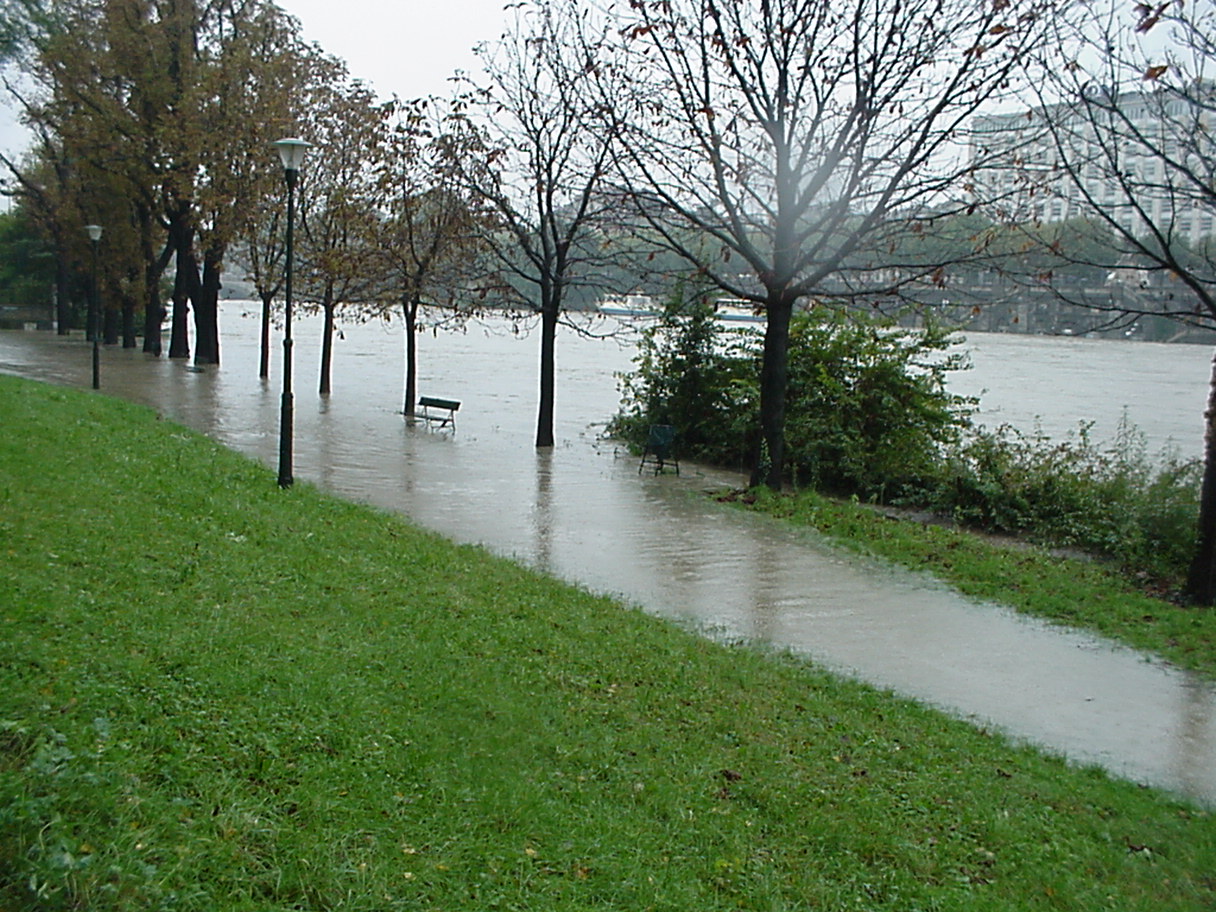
(583, 513)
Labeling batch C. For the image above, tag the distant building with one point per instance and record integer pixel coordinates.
(1111, 152)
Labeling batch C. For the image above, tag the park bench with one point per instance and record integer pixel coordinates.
(438, 411)
(660, 449)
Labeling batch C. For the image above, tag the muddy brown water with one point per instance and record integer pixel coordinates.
(583, 512)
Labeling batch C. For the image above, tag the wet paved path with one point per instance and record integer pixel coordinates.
(582, 512)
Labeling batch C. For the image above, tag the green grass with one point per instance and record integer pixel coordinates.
(1081, 593)
(217, 695)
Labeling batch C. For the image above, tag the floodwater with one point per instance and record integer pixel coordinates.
(583, 512)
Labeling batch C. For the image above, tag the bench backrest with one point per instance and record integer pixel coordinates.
(432, 402)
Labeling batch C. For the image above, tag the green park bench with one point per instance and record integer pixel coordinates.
(660, 449)
(441, 412)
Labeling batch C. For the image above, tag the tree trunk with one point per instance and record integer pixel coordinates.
(64, 312)
(154, 308)
(110, 323)
(264, 359)
(179, 335)
(768, 464)
(1201, 579)
(128, 322)
(327, 348)
(207, 310)
(154, 317)
(548, 344)
(409, 309)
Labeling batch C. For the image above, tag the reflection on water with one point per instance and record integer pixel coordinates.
(583, 512)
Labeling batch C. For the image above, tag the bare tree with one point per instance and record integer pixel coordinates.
(339, 265)
(1121, 140)
(544, 172)
(797, 135)
(430, 237)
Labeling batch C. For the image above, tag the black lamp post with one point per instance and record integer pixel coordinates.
(95, 306)
(291, 153)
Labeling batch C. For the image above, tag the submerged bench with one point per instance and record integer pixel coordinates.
(438, 411)
(660, 449)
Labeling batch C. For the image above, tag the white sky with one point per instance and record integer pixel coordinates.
(408, 48)
(405, 48)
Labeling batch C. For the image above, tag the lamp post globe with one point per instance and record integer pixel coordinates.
(94, 317)
(291, 154)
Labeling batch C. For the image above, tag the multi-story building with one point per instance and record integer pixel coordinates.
(1146, 158)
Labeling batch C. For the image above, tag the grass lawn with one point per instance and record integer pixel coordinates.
(217, 695)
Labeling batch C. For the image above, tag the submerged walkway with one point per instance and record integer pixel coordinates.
(583, 513)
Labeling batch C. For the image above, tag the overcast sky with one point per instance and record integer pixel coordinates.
(404, 48)
(409, 49)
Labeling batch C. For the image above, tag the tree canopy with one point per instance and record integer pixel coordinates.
(798, 136)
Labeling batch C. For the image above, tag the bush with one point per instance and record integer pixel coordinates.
(1108, 500)
(696, 375)
(867, 412)
(868, 415)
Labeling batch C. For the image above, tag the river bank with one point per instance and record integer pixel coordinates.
(233, 696)
(583, 513)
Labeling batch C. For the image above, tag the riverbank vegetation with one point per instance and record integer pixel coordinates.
(870, 419)
(216, 694)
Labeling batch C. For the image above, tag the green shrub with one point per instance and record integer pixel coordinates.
(696, 375)
(868, 416)
(867, 411)
(1111, 500)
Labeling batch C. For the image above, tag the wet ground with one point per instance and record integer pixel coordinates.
(584, 513)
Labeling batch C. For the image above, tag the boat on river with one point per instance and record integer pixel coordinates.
(730, 310)
(630, 305)
(737, 310)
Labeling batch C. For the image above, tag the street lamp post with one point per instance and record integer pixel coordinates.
(95, 306)
(291, 153)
